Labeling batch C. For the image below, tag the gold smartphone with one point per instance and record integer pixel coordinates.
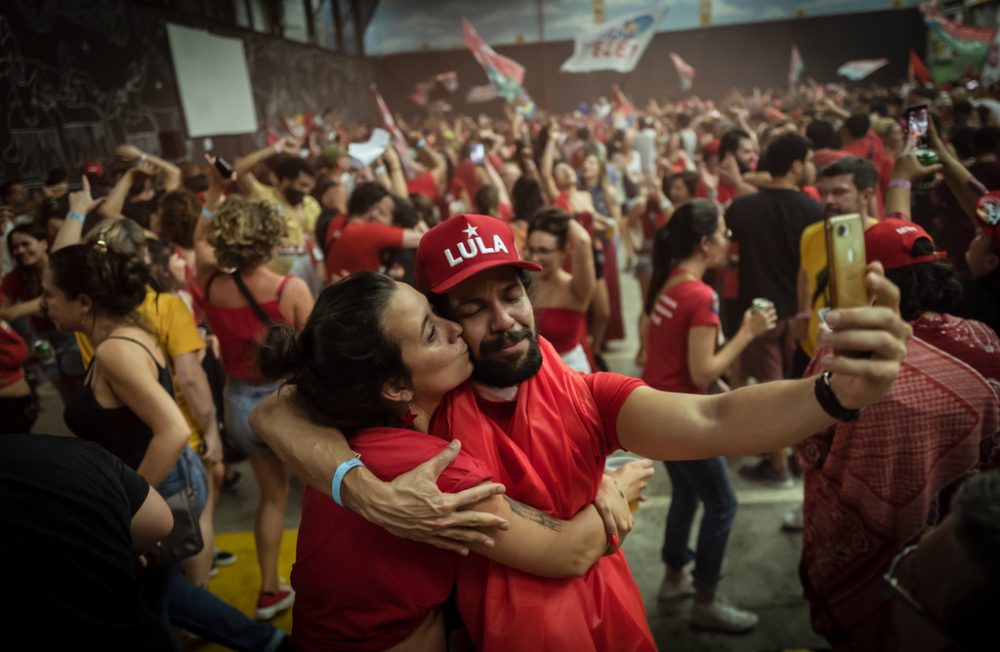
(845, 256)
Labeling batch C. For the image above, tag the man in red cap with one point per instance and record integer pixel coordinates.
(544, 431)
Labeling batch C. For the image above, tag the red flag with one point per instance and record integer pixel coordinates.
(402, 147)
(918, 72)
(488, 58)
(684, 71)
(272, 137)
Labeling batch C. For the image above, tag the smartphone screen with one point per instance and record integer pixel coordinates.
(916, 126)
(223, 167)
(478, 153)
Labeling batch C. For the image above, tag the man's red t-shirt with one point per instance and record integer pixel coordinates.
(548, 449)
(423, 184)
(686, 305)
(358, 246)
(357, 586)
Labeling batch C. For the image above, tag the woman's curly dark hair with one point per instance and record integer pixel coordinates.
(925, 287)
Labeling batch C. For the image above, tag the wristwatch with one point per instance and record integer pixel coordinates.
(829, 402)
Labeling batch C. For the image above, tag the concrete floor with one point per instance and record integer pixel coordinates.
(761, 567)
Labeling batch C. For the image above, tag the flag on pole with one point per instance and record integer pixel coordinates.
(917, 70)
(397, 136)
(506, 75)
(617, 45)
(991, 67)
(795, 67)
(860, 68)
(684, 71)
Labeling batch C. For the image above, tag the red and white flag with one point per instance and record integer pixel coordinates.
(402, 147)
(684, 71)
(860, 68)
(488, 58)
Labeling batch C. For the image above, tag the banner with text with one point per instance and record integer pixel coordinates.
(617, 45)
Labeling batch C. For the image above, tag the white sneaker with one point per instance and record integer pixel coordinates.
(721, 617)
(675, 590)
(792, 522)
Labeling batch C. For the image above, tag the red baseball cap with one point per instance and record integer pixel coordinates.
(93, 168)
(890, 242)
(462, 246)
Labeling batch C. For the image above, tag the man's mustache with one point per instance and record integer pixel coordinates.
(503, 340)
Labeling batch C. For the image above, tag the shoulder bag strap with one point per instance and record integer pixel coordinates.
(245, 291)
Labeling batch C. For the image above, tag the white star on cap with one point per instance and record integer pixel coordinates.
(471, 231)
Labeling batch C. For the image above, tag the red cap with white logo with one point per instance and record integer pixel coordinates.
(462, 246)
(891, 241)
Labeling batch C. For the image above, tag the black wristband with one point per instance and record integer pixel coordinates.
(829, 402)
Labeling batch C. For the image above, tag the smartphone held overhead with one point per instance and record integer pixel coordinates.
(917, 134)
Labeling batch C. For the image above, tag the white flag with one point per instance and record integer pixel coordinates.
(861, 68)
(991, 67)
(616, 45)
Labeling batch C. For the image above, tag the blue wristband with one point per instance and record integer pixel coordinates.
(207, 213)
(338, 477)
(73, 215)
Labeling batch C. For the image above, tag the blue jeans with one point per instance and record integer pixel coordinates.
(240, 398)
(706, 481)
(194, 608)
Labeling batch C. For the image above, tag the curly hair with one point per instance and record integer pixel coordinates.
(179, 211)
(244, 232)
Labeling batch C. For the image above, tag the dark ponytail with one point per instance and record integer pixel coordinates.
(341, 361)
(115, 282)
(678, 240)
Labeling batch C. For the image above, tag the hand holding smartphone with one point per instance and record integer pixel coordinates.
(845, 255)
(478, 153)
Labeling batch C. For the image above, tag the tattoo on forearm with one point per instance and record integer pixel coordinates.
(532, 514)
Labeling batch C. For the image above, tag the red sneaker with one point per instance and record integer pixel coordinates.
(270, 604)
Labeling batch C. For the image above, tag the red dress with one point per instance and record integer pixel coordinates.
(563, 327)
(551, 456)
(357, 587)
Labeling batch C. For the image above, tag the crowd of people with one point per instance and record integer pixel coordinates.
(422, 341)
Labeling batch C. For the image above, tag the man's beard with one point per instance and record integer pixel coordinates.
(501, 372)
(293, 196)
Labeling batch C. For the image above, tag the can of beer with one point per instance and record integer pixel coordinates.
(44, 352)
(760, 303)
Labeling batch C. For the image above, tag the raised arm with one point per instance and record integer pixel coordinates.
(115, 201)
(963, 185)
(907, 168)
(397, 180)
(243, 165)
(171, 173)
(584, 277)
(80, 204)
(411, 506)
(548, 156)
(769, 416)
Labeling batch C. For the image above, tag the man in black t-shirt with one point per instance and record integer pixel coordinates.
(768, 226)
(72, 518)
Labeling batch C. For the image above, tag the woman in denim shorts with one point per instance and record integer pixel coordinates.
(240, 236)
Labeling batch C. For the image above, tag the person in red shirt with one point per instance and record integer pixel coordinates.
(380, 385)
(18, 405)
(355, 242)
(681, 336)
(544, 431)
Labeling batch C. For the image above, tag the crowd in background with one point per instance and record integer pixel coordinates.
(140, 288)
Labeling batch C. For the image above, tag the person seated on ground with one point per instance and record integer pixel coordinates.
(679, 334)
(74, 517)
(374, 361)
(561, 298)
(946, 587)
